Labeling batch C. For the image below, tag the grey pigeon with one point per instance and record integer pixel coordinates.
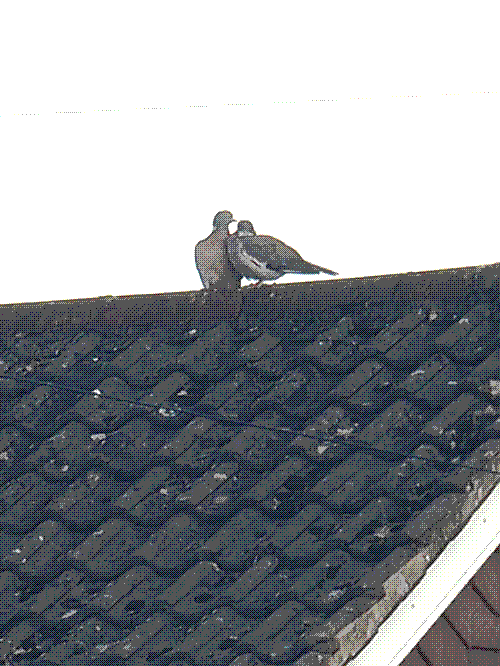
(265, 257)
(211, 256)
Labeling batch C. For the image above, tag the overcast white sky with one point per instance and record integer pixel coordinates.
(210, 108)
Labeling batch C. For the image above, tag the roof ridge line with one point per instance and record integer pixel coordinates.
(109, 297)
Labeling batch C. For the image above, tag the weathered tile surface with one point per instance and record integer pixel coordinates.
(234, 481)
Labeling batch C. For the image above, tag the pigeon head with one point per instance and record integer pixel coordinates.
(245, 228)
(223, 219)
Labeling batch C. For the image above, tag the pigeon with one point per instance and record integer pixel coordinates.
(211, 257)
(265, 257)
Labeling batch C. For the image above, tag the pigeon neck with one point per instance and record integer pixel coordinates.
(221, 231)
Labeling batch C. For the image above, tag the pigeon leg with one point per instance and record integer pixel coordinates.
(204, 296)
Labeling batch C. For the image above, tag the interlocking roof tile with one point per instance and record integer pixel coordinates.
(232, 478)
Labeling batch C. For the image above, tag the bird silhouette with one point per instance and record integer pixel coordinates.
(264, 257)
(211, 256)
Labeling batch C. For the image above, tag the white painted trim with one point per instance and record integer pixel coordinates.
(442, 582)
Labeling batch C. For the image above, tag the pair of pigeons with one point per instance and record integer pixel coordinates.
(222, 259)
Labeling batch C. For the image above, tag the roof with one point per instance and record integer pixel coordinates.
(468, 632)
(238, 478)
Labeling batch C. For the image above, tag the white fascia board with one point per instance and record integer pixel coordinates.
(442, 582)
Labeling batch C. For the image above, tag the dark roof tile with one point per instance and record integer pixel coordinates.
(450, 414)
(152, 367)
(443, 387)
(174, 446)
(274, 362)
(314, 541)
(81, 347)
(273, 592)
(86, 501)
(40, 554)
(410, 349)
(239, 539)
(152, 637)
(439, 511)
(477, 345)
(471, 475)
(150, 483)
(322, 636)
(486, 370)
(16, 637)
(372, 580)
(317, 440)
(286, 531)
(260, 445)
(173, 545)
(105, 552)
(340, 359)
(228, 391)
(22, 502)
(279, 453)
(465, 324)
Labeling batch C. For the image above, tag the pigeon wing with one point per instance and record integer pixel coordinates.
(278, 256)
(269, 250)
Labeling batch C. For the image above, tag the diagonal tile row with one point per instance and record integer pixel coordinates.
(150, 535)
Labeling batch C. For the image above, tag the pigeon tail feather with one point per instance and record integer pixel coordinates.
(326, 270)
(293, 265)
(299, 266)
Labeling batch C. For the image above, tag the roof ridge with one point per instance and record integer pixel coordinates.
(204, 310)
(109, 297)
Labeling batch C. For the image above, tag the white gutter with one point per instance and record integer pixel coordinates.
(442, 582)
